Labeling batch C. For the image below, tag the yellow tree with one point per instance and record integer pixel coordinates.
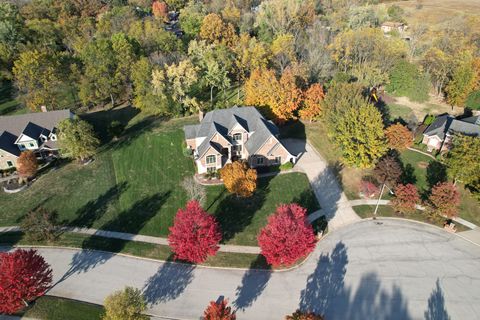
(239, 178)
(283, 51)
(214, 30)
(312, 102)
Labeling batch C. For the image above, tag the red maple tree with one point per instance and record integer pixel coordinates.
(219, 311)
(24, 276)
(406, 198)
(368, 189)
(195, 234)
(445, 199)
(287, 237)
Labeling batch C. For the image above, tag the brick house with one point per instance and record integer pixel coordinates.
(238, 133)
(438, 135)
(32, 131)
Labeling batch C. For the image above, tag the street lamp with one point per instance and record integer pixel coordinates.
(379, 198)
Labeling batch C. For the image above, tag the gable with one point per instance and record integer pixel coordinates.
(24, 138)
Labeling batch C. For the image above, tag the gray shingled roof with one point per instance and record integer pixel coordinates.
(32, 124)
(448, 124)
(223, 120)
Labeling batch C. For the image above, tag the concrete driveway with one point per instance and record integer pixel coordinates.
(391, 269)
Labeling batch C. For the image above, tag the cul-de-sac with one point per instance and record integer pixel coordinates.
(239, 159)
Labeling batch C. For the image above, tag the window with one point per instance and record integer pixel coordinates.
(260, 161)
(211, 159)
(211, 169)
(31, 144)
(22, 147)
(9, 164)
(237, 149)
(53, 137)
(278, 160)
(237, 137)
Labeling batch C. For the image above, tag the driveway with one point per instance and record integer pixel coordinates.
(334, 203)
(391, 269)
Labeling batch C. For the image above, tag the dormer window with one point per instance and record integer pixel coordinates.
(43, 138)
(53, 137)
(237, 137)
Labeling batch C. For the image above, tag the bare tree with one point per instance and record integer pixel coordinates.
(195, 191)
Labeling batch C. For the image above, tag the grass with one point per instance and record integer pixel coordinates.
(473, 100)
(366, 211)
(469, 207)
(397, 111)
(134, 185)
(135, 248)
(417, 164)
(54, 308)
(242, 219)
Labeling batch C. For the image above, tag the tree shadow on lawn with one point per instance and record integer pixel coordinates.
(436, 305)
(254, 282)
(326, 293)
(436, 172)
(234, 213)
(95, 209)
(131, 221)
(169, 282)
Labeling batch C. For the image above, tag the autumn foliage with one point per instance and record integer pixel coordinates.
(281, 96)
(216, 31)
(160, 9)
(27, 164)
(300, 315)
(195, 234)
(24, 276)
(239, 178)
(312, 101)
(445, 199)
(368, 189)
(219, 311)
(287, 237)
(398, 136)
(406, 198)
(388, 170)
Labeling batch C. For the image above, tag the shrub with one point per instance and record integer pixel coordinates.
(445, 199)
(406, 198)
(39, 225)
(301, 315)
(24, 276)
(368, 189)
(429, 119)
(473, 100)
(219, 311)
(286, 166)
(195, 234)
(287, 237)
(126, 304)
(239, 178)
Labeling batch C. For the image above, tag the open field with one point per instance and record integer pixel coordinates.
(134, 185)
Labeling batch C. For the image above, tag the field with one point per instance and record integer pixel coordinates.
(134, 185)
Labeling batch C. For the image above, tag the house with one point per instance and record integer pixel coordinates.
(32, 131)
(390, 26)
(438, 135)
(238, 133)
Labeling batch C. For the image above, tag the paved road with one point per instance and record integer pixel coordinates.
(332, 199)
(393, 270)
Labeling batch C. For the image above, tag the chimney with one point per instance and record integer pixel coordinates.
(43, 108)
(200, 115)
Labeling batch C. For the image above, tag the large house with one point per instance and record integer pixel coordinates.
(32, 131)
(238, 133)
(438, 135)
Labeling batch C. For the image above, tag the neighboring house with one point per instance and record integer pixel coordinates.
(390, 26)
(32, 131)
(438, 135)
(238, 133)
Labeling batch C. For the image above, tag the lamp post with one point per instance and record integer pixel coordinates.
(379, 198)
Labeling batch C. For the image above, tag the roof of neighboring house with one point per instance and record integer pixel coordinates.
(447, 124)
(222, 121)
(474, 120)
(31, 125)
(7, 143)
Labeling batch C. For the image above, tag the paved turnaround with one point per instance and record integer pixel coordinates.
(384, 269)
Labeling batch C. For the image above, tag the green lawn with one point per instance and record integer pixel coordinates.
(242, 219)
(415, 164)
(54, 308)
(397, 111)
(134, 185)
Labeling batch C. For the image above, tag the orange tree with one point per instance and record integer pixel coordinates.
(398, 136)
(219, 311)
(312, 100)
(445, 199)
(27, 164)
(239, 178)
(406, 198)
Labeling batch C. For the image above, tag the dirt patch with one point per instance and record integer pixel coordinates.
(351, 178)
(422, 164)
(433, 106)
